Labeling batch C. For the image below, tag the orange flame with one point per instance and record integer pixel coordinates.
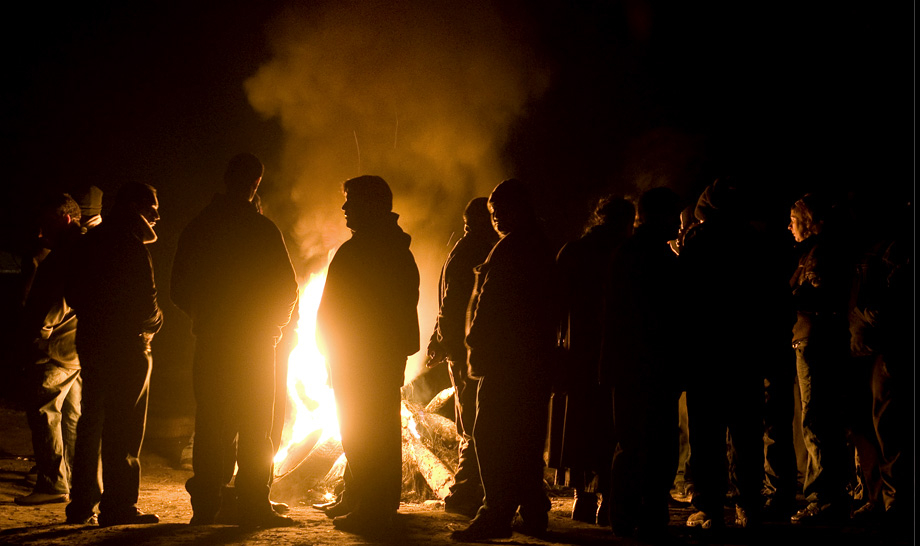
(312, 404)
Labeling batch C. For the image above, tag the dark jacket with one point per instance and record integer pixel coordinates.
(642, 309)
(369, 308)
(113, 289)
(821, 287)
(458, 279)
(513, 312)
(232, 274)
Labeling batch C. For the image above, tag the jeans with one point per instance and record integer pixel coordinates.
(52, 414)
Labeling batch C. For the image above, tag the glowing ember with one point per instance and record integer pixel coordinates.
(312, 405)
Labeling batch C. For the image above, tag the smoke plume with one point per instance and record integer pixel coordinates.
(420, 93)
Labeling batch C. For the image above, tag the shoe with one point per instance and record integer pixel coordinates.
(778, 511)
(334, 509)
(479, 529)
(747, 519)
(700, 520)
(867, 514)
(280, 508)
(82, 519)
(584, 508)
(682, 492)
(137, 518)
(266, 521)
(603, 513)
(201, 520)
(819, 514)
(34, 499)
(360, 523)
(468, 508)
(532, 524)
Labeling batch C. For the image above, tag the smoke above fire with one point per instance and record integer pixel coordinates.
(420, 93)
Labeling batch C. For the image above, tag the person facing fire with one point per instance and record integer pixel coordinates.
(366, 327)
(233, 277)
(458, 279)
(511, 339)
(114, 295)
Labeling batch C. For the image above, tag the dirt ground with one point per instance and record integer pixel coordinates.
(162, 492)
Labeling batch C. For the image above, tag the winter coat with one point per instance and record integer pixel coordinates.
(232, 274)
(512, 331)
(369, 308)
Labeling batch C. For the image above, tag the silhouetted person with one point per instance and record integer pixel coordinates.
(640, 363)
(232, 275)
(731, 297)
(53, 382)
(115, 297)
(587, 443)
(458, 279)
(512, 334)
(820, 290)
(367, 325)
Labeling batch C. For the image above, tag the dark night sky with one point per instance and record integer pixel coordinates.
(789, 96)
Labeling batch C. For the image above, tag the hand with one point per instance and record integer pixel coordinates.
(436, 354)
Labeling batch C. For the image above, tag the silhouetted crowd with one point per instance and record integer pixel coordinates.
(672, 352)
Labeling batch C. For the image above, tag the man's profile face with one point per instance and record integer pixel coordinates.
(151, 212)
(355, 213)
(796, 227)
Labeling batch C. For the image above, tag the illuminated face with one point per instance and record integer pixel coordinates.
(797, 228)
(151, 213)
(501, 219)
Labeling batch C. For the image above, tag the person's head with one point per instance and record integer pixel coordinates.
(90, 200)
(138, 200)
(807, 217)
(615, 212)
(659, 208)
(476, 216)
(58, 214)
(511, 206)
(243, 175)
(368, 199)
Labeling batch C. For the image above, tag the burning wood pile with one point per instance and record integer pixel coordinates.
(313, 469)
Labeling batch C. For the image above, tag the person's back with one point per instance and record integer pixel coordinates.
(232, 274)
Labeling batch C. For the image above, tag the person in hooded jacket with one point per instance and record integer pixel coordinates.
(732, 292)
(366, 327)
(639, 362)
(458, 278)
(511, 338)
(233, 277)
(585, 449)
(115, 298)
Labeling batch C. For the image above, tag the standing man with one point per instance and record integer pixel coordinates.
(512, 335)
(458, 278)
(366, 326)
(640, 363)
(54, 382)
(233, 277)
(115, 298)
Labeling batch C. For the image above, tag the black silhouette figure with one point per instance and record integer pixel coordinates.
(232, 275)
(367, 325)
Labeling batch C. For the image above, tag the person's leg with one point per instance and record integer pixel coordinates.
(253, 413)
(86, 478)
(128, 383)
(46, 418)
